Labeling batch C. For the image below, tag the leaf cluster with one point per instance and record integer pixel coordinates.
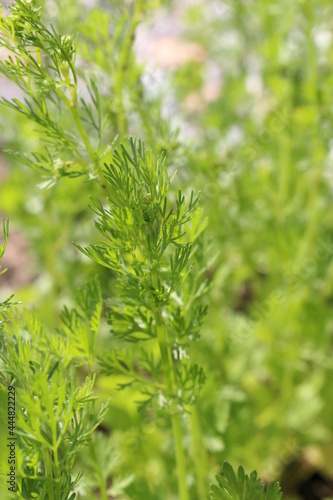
(57, 416)
(80, 325)
(41, 62)
(240, 486)
(148, 241)
(141, 231)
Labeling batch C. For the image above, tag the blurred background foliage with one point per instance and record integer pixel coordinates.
(239, 96)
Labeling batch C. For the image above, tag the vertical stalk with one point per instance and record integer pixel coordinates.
(70, 104)
(284, 181)
(82, 131)
(312, 62)
(168, 370)
(48, 474)
(180, 457)
(85, 138)
(175, 420)
(315, 152)
(119, 76)
(199, 455)
(57, 471)
(199, 452)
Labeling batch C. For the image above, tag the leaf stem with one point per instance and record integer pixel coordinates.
(56, 459)
(175, 419)
(71, 105)
(82, 132)
(199, 453)
(119, 76)
(180, 457)
(48, 474)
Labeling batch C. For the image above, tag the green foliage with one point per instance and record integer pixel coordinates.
(55, 416)
(5, 304)
(68, 109)
(251, 98)
(242, 487)
(148, 242)
(80, 326)
(42, 63)
(43, 66)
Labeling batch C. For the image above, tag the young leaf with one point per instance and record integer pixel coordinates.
(241, 486)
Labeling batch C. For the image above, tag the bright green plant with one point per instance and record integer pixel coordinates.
(242, 487)
(150, 242)
(151, 246)
(260, 155)
(75, 97)
(43, 67)
(263, 170)
(74, 133)
(55, 415)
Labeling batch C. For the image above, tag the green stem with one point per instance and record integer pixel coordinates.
(175, 419)
(199, 452)
(82, 131)
(48, 473)
(119, 76)
(70, 104)
(312, 57)
(284, 160)
(180, 457)
(315, 153)
(313, 208)
(199, 455)
(86, 141)
(57, 472)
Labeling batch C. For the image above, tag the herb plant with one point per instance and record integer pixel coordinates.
(43, 67)
(55, 416)
(249, 95)
(242, 486)
(73, 102)
(151, 245)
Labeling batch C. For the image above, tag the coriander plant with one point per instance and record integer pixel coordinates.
(242, 486)
(156, 264)
(150, 242)
(53, 415)
(77, 92)
(42, 65)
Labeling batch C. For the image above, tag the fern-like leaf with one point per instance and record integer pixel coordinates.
(241, 486)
